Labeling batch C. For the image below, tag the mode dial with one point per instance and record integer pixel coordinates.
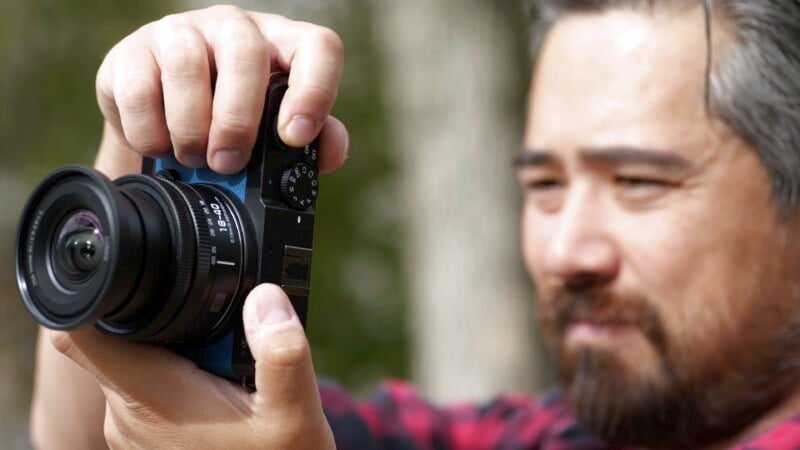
(299, 186)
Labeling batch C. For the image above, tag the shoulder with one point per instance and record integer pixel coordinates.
(398, 412)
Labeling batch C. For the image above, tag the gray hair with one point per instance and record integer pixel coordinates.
(755, 88)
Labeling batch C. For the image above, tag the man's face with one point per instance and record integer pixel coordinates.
(666, 277)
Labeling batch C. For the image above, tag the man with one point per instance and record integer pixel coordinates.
(660, 226)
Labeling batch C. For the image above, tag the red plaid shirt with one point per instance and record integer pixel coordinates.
(397, 418)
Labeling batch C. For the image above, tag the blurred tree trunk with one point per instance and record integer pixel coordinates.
(456, 72)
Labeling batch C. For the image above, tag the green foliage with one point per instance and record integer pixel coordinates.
(49, 54)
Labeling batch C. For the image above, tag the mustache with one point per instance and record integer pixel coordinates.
(603, 307)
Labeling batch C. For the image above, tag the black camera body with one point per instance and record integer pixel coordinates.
(169, 256)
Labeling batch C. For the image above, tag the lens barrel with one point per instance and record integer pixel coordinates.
(148, 258)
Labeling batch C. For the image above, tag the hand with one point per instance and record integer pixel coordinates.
(156, 399)
(155, 91)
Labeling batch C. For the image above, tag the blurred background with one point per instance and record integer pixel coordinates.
(417, 270)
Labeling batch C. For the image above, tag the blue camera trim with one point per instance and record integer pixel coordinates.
(216, 358)
(236, 183)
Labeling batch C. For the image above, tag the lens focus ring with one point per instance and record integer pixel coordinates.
(196, 269)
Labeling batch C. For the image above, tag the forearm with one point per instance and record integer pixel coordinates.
(68, 406)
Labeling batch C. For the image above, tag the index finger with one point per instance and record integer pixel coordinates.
(148, 373)
(314, 57)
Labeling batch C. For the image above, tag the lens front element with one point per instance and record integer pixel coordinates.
(78, 248)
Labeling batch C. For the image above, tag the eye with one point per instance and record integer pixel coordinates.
(542, 185)
(545, 192)
(642, 190)
(634, 182)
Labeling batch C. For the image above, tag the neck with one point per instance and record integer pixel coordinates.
(780, 413)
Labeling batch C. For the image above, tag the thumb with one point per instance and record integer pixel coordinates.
(285, 380)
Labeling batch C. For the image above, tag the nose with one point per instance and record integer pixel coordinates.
(582, 252)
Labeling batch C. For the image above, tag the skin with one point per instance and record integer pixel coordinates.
(650, 231)
(93, 391)
(634, 203)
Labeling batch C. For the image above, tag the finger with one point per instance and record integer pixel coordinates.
(115, 157)
(115, 435)
(182, 55)
(137, 96)
(314, 57)
(105, 94)
(334, 143)
(242, 61)
(129, 368)
(285, 381)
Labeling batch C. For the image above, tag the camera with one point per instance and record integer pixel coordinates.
(169, 255)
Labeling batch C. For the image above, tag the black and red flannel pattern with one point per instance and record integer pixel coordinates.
(395, 417)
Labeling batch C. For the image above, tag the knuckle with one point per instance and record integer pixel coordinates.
(291, 433)
(288, 347)
(247, 56)
(102, 84)
(329, 40)
(183, 62)
(168, 22)
(135, 408)
(242, 46)
(188, 139)
(62, 342)
(135, 93)
(148, 143)
(182, 52)
(318, 97)
(112, 434)
(226, 10)
(234, 125)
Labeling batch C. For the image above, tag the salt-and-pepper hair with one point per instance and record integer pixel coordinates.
(755, 87)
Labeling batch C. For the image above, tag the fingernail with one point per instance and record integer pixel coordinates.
(228, 161)
(194, 161)
(271, 307)
(301, 129)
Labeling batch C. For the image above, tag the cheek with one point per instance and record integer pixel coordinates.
(707, 277)
(665, 261)
(533, 236)
(537, 232)
(658, 252)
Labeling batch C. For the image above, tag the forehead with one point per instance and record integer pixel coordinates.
(621, 77)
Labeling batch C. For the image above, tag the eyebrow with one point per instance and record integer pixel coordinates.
(633, 155)
(617, 155)
(529, 157)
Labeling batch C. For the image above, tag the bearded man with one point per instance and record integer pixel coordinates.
(661, 170)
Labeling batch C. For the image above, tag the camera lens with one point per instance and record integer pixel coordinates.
(79, 241)
(79, 247)
(145, 257)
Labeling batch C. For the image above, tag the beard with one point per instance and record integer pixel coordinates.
(690, 395)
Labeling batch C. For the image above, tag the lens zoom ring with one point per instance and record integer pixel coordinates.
(183, 241)
(202, 231)
(193, 271)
